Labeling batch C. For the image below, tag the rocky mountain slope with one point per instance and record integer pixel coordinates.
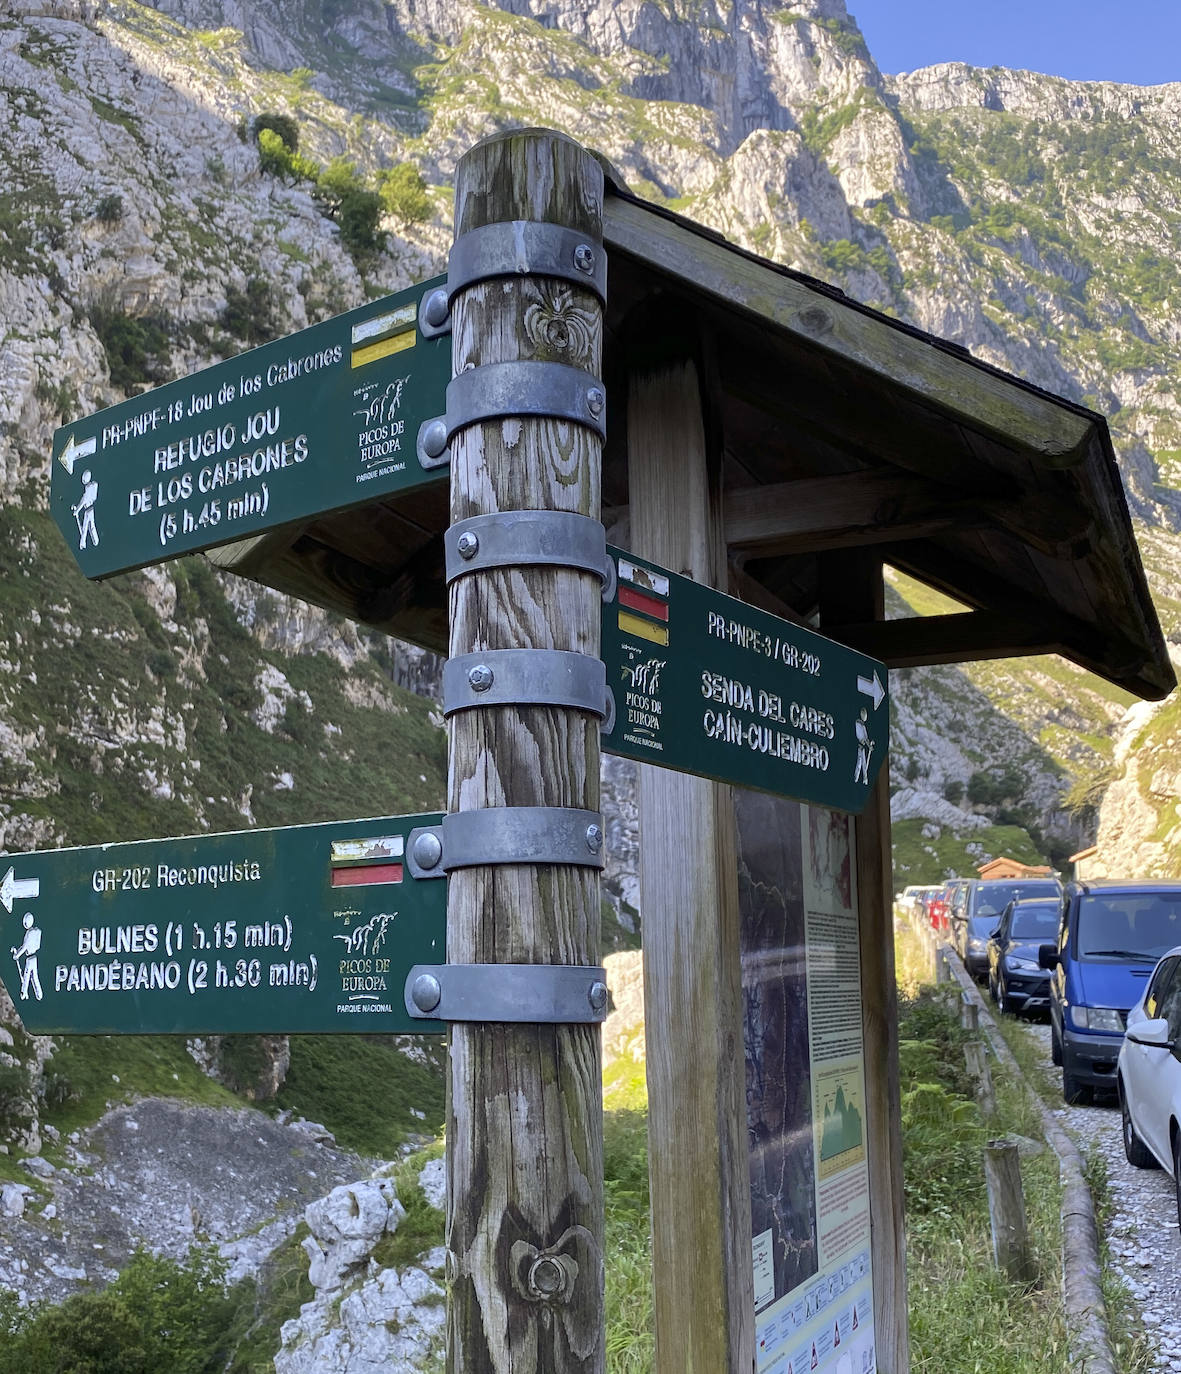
(143, 235)
(143, 239)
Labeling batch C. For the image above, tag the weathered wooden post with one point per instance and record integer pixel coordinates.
(697, 1153)
(976, 1062)
(969, 1013)
(1006, 1211)
(524, 1122)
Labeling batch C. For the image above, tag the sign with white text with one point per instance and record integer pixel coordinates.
(310, 928)
(706, 684)
(324, 419)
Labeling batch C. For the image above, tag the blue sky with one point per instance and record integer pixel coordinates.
(1137, 41)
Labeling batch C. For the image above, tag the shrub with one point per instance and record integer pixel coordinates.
(358, 217)
(109, 210)
(251, 315)
(136, 349)
(281, 124)
(14, 1092)
(953, 791)
(338, 179)
(277, 160)
(157, 1315)
(403, 194)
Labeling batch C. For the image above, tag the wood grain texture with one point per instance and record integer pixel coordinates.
(956, 385)
(524, 1128)
(697, 1153)
(852, 589)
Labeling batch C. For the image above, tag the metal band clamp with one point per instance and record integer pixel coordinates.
(499, 391)
(537, 994)
(506, 835)
(525, 677)
(514, 248)
(530, 539)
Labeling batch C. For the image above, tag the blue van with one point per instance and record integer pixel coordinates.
(1109, 939)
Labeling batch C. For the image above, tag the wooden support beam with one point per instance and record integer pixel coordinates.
(852, 586)
(697, 1147)
(524, 1119)
(957, 637)
(817, 513)
(879, 506)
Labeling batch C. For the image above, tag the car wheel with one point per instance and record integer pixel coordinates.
(1074, 1090)
(1004, 1001)
(1139, 1155)
(991, 985)
(1055, 1045)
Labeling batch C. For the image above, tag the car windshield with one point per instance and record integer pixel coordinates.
(1129, 925)
(982, 926)
(1034, 921)
(992, 898)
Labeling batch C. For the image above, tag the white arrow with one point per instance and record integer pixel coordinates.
(872, 687)
(72, 452)
(13, 888)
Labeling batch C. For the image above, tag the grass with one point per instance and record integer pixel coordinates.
(100, 1070)
(264, 1304)
(366, 1089)
(630, 1338)
(964, 1314)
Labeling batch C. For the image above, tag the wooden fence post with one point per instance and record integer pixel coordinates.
(1006, 1211)
(976, 1060)
(969, 1013)
(524, 1122)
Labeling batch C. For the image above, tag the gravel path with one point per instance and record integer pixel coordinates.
(1142, 1234)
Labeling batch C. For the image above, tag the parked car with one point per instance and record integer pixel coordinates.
(907, 899)
(981, 910)
(1148, 1075)
(925, 897)
(1110, 937)
(1016, 982)
(937, 911)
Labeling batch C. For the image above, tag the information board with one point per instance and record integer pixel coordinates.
(321, 420)
(805, 1089)
(306, 928)
(706, 684)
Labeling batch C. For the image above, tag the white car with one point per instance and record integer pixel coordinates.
(1148, 1074)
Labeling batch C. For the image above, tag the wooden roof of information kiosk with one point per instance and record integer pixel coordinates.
(841, 428)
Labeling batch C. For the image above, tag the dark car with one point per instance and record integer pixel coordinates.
(980, 912)
(1110, 936)
(1016, 982)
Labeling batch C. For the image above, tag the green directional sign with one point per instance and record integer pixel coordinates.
(706, 684)
(321, 420)
(308, 928)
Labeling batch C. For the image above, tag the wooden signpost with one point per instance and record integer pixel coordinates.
(324, 419)
(559, 646)
(309, 928)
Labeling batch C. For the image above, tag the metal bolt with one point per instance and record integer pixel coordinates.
(426, 993)
(428, 849)
(467, 545)
(595, 400)
(584, 258)
(597, 995)
(594, 838)
(480, 677)
(434, 438)
(546, 1276)
(436, 309)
